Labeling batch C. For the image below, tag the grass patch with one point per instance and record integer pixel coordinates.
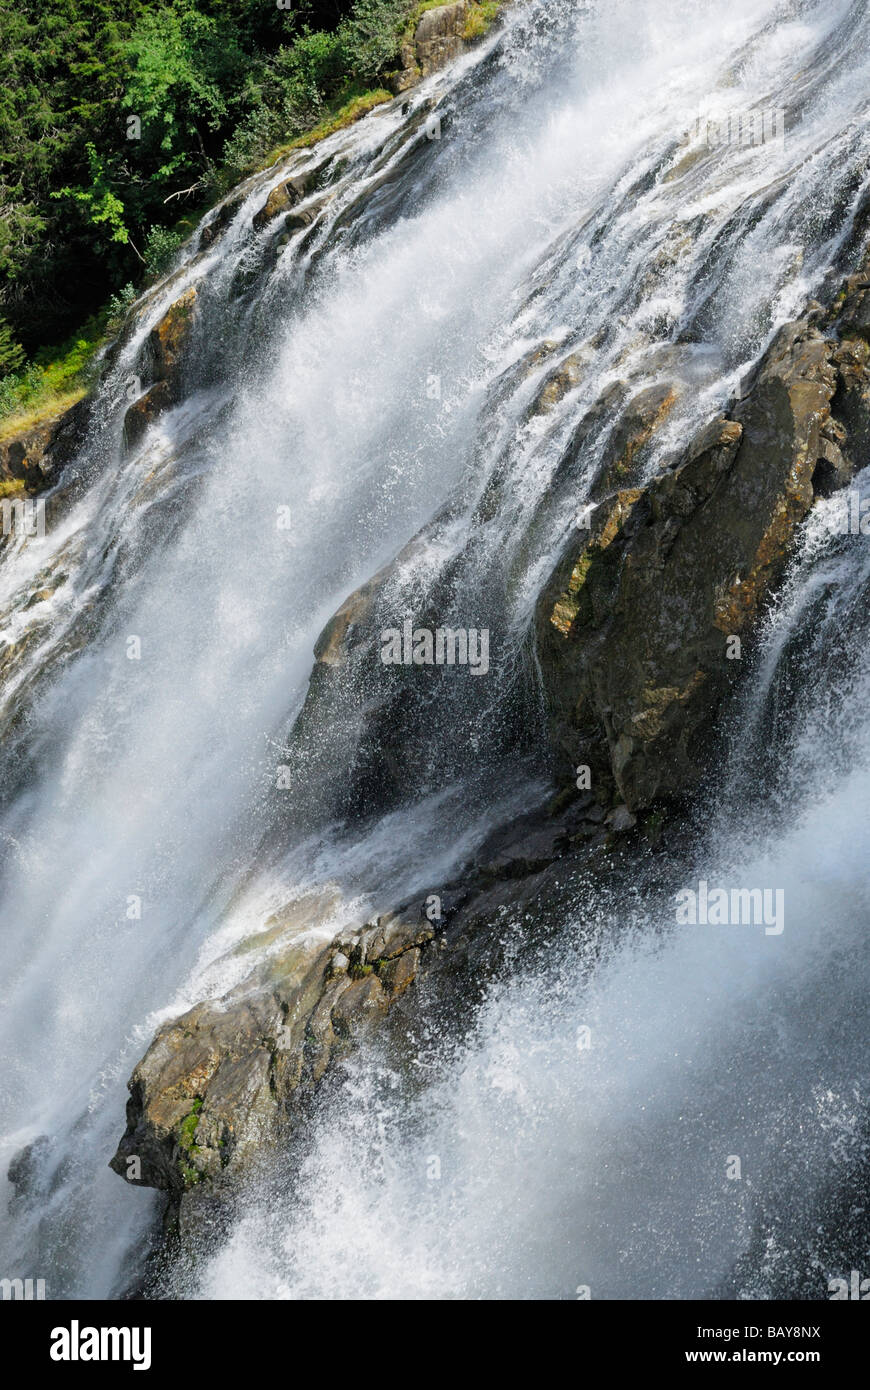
(53, 381)
(45, 407)
(479, 19)
(187, 1128)
(351, 108)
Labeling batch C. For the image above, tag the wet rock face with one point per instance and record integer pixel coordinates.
(633, 430)
(143, 412)
(233, 1076)
(374, 724)
(167, 344)
(636, 629)
(229, 1075)
(282, 197)
(168, 339)
(219, 222)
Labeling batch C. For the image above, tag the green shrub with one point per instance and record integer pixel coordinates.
(161, 248)
(116, 309)
(371, 35)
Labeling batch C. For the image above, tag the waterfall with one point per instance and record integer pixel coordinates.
(580, 1137)
(375, 382)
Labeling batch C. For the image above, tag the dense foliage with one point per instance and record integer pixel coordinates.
(116, 120)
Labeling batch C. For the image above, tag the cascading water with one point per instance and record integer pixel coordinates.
(376, 379)
(539, 1160)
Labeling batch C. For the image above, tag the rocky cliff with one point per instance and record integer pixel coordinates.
(641, 633)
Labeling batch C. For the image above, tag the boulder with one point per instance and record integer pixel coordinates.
(408, 74)
(635, 426)
(281, 198)
(229, 1075)
(144, 411)
(169, 338)
(562, 379)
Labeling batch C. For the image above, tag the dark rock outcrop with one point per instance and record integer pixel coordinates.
(229, 1075)
(219, 222)
(235, 1075)
(636, 629)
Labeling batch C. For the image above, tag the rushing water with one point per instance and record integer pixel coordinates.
(371, 381)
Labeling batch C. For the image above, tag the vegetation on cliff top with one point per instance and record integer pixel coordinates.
(118, 128)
